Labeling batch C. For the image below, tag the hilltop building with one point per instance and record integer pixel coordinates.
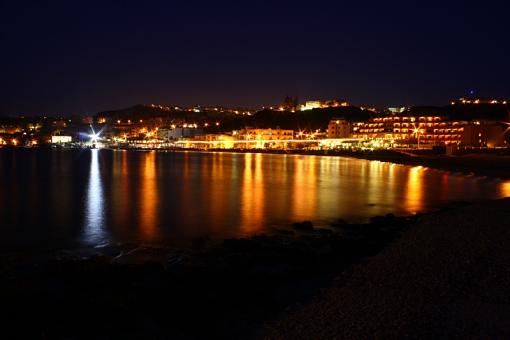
(320, 104)
(465, 101)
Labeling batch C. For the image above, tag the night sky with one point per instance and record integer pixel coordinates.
(86, 56)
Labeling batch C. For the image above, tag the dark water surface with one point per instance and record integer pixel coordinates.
(82, 198)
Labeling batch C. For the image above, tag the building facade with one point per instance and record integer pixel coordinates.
(339, 128)
(264, 134)
(318, 104)
(485, 135)
(431, 130)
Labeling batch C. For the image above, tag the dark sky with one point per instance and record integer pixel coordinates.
(85, 56)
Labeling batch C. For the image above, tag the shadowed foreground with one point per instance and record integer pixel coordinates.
(444, 274)
(226, 290)
(448, 276)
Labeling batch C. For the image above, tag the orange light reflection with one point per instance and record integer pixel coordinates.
(252, 194)
(149, 197)
(414, 189)
(304, 197)
(505, 189)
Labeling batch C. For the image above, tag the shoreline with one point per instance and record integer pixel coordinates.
(232, 289)
(446, 277)
(480, 164)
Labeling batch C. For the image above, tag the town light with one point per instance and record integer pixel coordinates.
(94, 137)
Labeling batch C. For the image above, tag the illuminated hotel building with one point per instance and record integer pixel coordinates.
(433, 130)
(241, 139)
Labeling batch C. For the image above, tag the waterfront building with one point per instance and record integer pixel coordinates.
(179, 132)
(431, 131)
(339, 128)
(208, 141)
(241, 139)
(485, 135)
(263, 134)
(61, 139)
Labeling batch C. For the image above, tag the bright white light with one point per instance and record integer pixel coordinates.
(94, 137)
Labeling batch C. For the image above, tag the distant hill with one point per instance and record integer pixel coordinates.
(302, 120)
(148, 111)
(311, 120)
(494, 112)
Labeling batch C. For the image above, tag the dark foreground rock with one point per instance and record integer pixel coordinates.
(447, 277)
(212, 291)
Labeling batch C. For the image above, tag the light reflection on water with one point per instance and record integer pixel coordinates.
(414, 193)
(94, 229)
(90, 197)
(149, 197)
(505, 189)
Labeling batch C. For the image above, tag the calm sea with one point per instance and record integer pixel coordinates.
(88, 198)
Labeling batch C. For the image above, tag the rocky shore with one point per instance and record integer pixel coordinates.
(226, 290)
(442, 274)
(447, 277)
